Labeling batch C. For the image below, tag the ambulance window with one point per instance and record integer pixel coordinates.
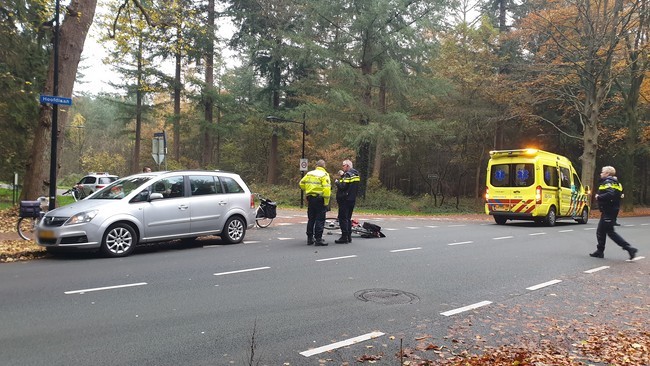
(576, 182)
(550, 176)
(525, 176)
(565, 179)
(500, 175)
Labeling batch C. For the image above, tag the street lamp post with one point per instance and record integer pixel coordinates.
(55, 112)
(304, 132)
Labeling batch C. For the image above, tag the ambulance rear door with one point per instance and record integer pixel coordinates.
(510, 186)
(564, 204)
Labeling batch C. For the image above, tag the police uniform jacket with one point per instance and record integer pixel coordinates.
(348, 186)
(609, 195)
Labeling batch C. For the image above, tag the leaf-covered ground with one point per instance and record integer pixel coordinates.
(600, 319)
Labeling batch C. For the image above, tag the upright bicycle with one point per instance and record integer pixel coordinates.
(76, 192)
(31, 213)
(266, 211)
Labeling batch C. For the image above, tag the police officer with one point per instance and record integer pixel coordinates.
(317, 187)
(609, 200)
(346, 194)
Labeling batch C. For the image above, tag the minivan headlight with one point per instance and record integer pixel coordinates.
(82, 217)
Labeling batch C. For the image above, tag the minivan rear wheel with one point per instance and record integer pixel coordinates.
(234, 230)
(550, 218)
(118, 241)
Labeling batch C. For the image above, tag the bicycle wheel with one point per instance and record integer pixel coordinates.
(26, 227)
(332, 223)
(261, 220)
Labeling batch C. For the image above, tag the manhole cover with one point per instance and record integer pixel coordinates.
(386, 296)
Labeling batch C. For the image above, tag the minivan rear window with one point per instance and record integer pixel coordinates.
(512, 175)
(230, 185)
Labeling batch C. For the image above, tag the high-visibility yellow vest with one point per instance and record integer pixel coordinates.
(317, 183)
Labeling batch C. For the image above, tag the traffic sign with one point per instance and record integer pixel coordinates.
(304, 164)
(55, 100)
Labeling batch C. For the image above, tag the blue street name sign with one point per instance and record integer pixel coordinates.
(55, 100)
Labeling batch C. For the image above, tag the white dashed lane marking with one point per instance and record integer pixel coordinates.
(542, 285)
(461, 243)
(335, 258)
(345, 343)
(466, 308)
(596, 269)
(535, 234)
(565, 231)
(635, 259)
(405, 250)
(503, 237)
(241, 271)
(104, 288)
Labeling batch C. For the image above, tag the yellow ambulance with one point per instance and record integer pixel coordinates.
(531, 184)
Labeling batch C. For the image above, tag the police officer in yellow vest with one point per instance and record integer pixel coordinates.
(609, 201)
(317, 187)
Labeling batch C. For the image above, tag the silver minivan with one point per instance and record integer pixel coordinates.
(150, 207)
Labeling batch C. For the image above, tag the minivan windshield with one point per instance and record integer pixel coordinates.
(120, 188)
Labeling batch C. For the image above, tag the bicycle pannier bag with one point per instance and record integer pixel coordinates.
(30, 209)
(270, 209)
(374, 231)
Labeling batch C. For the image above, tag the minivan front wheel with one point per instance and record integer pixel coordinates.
(118, 241)
(234, 230)
(584, 217)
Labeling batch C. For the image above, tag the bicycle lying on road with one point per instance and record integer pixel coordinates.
(365, 230)
(31, 213)
(266, 211)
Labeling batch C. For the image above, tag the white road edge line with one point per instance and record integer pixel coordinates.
(461, 242)
(542, 285)
(241, 271)
(466, 308)
(103, 288)
(335, 258)
(405, 250)
(596, 269)
(340, 344)
(503, 237)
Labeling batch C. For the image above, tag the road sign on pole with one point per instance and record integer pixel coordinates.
(304, 165)
(159, 147)
(55, 100)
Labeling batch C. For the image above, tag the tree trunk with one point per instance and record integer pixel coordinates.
(177, 96)
(272, 174)
(72, 35)
(135, 163)
(209, 89)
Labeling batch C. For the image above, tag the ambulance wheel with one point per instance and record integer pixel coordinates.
(500, 220)
(584, 217)
(550, 218)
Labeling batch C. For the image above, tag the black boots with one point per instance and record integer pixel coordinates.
(310, 240)
(632, 252)
(342, 240)
(597, 254)
(320, 242)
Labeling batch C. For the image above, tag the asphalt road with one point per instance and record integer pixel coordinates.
(289, 303)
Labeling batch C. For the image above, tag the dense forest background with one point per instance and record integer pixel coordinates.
(416, 93)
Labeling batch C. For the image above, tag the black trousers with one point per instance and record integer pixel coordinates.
(605, 229)
(315, 217)
(345, 216)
